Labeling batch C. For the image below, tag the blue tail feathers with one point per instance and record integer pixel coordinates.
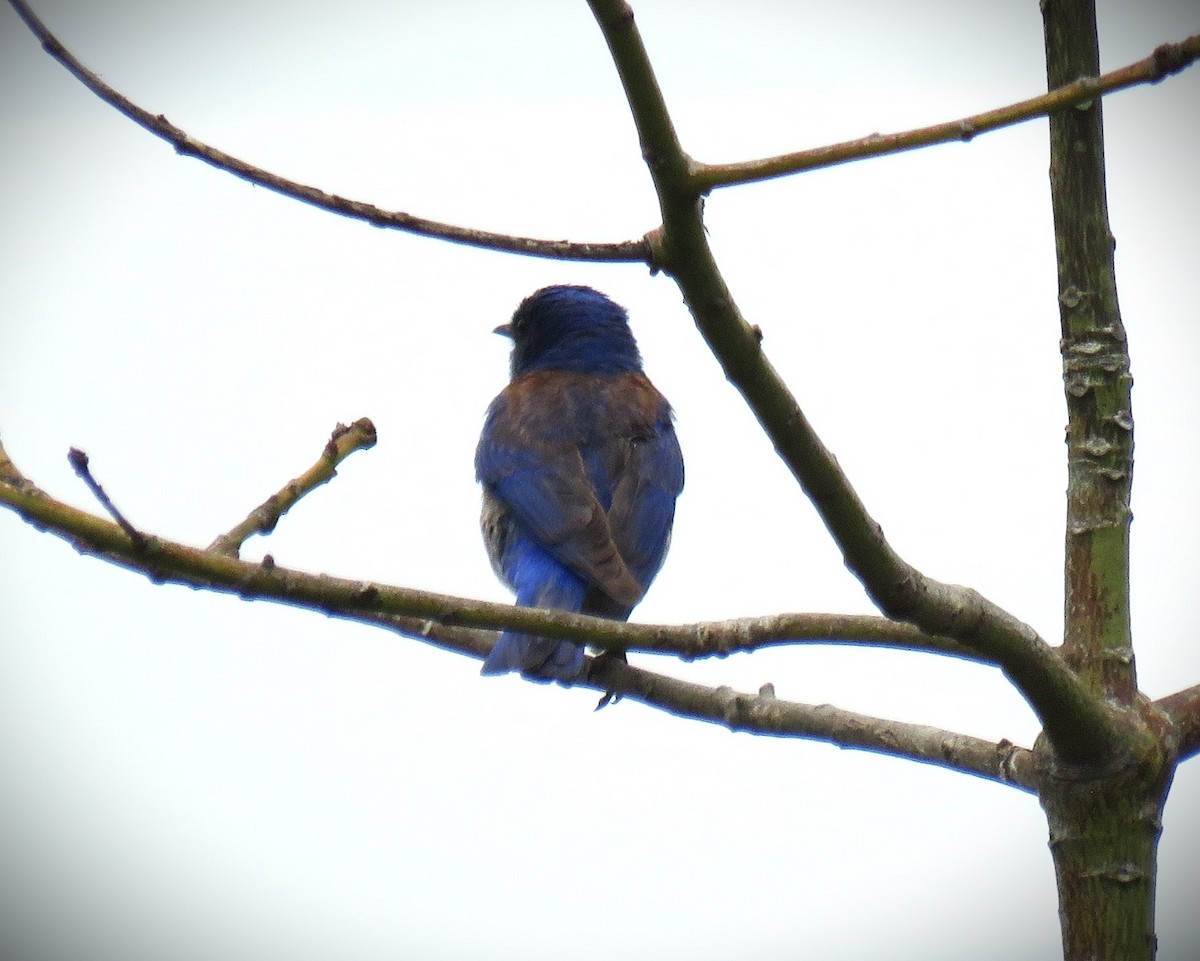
(542, 659)
(541, 582)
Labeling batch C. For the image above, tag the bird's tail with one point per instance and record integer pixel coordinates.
(542, 659)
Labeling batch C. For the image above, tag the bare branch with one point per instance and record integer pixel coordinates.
(262, 520)
(168, 561)
(720, 638)
(1167, 59)
(1081, 724)
(470, 641)
(629, 251)
(1183, 708)
(430, 617)
(763, 713)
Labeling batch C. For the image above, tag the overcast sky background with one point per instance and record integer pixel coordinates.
(192, 777)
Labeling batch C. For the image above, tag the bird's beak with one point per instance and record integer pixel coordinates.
(504, 330)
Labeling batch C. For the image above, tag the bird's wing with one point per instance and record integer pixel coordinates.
(544, 484)
(643, 503)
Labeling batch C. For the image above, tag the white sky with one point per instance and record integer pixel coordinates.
(188, 776)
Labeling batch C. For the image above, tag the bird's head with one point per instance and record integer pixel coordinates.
(571, 328)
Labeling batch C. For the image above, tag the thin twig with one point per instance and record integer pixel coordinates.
(262, 520)
(382, 606)
(1082, 724)
(79, 463)
(629, 251)
(1167, 59)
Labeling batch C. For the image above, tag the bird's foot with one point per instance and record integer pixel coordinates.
(598, 662)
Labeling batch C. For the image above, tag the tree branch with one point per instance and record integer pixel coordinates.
(741, 635)
(1080, 723)
(1183, 709)
(431, 618)
(763, 713)
(167, 561)
(1097, 635)
(629, 251)
(262, 520)
(1003, 762)
(1165, 60)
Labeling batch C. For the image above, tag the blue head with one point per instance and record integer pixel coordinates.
(571, 328)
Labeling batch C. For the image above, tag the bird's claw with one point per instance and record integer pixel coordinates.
(610, 697)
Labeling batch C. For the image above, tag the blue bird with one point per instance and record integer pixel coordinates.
(580, 470)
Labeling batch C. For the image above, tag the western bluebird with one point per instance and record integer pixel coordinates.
(580, 470)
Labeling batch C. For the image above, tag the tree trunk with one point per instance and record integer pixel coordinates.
(1104, 831)
(1104, 818)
